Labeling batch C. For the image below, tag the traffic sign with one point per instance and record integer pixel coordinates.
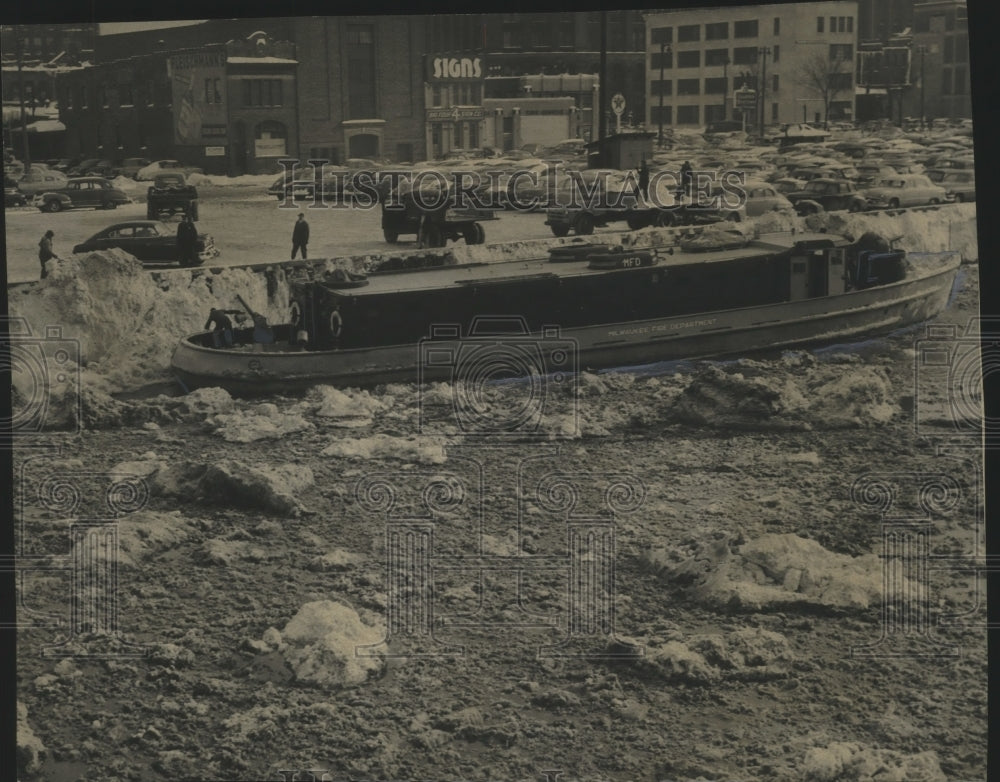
(744, 99)
(618, 104)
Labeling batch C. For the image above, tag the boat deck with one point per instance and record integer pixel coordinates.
(541, 268)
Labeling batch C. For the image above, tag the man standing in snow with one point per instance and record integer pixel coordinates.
(300, 236)
(187, 242)
(45, 252)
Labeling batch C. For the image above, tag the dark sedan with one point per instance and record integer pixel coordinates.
(150, 241)
(81, 192)
(829, 195)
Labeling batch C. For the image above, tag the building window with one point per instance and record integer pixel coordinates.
(360, 71)
(921, 23)
(657, 61)
(716, 86)
(660, 35)
(745, 55)
(270, 140)
(262, 92)
(666, 112)
(833, 24)
(717, 32)
(150, 93)
(850, 24)
(774, 83)
(819, 24)
(775, 53)
(777, 25)
(565, 36)
(689, 59)
(841, 51)
(774, 112)
(841, 24)
(436, 95)
(687, 87)
(687, 115)
(664, 87)
(747, 29)
(83, 97)
(946, 81)
(716, 56)
(688, 32)
(949, 49)
(208, 91)
(125, 95)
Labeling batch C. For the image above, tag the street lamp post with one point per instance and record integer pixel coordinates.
(664, 51)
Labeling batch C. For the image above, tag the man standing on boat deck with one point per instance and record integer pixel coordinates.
(686, 178)
(300, 236)
(222, 333)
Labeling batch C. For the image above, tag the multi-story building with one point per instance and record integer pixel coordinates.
(797, 57)
(230, 108)
(940, 61)
(42, 43)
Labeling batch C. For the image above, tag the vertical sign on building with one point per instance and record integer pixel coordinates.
(197, 83)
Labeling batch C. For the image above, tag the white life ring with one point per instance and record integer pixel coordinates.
(336, 323)
(296, 314)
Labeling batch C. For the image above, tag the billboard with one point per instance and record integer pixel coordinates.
(198, 87)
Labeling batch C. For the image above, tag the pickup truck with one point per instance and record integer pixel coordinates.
(171, 193)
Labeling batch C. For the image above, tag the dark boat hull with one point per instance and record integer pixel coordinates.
(827, 319)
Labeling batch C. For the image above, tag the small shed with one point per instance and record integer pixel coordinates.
(625, 150)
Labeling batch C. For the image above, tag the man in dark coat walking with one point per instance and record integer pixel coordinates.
(687, 178)
(45, 252)
(300, 236)
(644, 180)
(187, 242)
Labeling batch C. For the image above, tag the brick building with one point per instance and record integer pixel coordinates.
(361, 87)
(229, 108)
(940, 61)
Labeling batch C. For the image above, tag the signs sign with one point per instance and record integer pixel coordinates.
(455, 114)
(454, 68)
(196, 82)
(215, 151)
(618, 104)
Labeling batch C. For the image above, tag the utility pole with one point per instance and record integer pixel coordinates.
(664, 51)
(602, 90)
(20, 97)
(725, 86)
(923, 114)
(764, 51)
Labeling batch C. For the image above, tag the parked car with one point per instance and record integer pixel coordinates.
(81, 192)
(870, 173)
(582, 212)
(11, 195)
(104, 168)
(904, 190)
(65, 164)
(150, 241)
(130, 166)
(165, 166)
(828, 194)
(39, 179)
(959, 185)
(81, 168)
(763, 197)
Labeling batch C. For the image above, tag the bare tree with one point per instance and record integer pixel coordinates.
(826, 78)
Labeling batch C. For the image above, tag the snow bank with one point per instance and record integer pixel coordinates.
(774, 571)
(352, 408)
(749, 653)
(319, 645)
(262, 422)
(126, 321)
